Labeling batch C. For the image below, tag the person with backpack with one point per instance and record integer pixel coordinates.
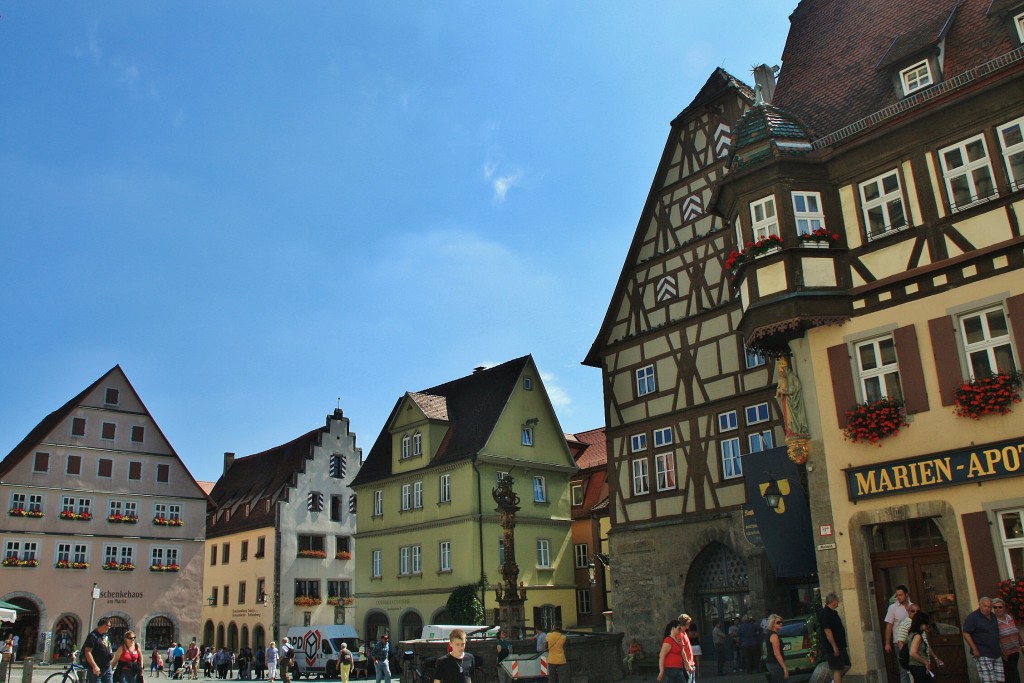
(345, 661)
(287, 656)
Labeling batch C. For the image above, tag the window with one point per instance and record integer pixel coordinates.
(163, 556)
(337, 503)
(127, 509)
(226, 594)
(1018, 22)
(138, 434)
(445, 494)
(243, 556)
(882, 204)
(638, 442)
(409, 559)
(112, 397)
(76, 506)
(261, 546)
(213, 594)
(417, 443)
(577, 494)
(755, 359)
(23, 550)
(877, 370)
(417, 558)
(527, 436)
(339, 588)
(315, 501)
(342, 544)
(308, 544)
(1011, 139)
(665, 471)
(119, 554)
(406, 446)
(528, 383)
(378, 503)
(757, 413)
(662, 437)
(376, 570)
(759, 441)
(74, 467)
(967, 172)
(727, 421)
(731, 465)
(582, 554)
(640, 483)
(134, 470)
(1011, 533)
(42, 462)
(916, 77)
(78, 426)
(645, 383)
(444, 552)
(35, 502)
(68, 553)
(105, 468)
(807, 212)
(417, 495)
(543, 553)
(763, 220)
(986, 338)
(167, 510)
(108, 431)
(583, 600)
(540, 490)
(213, 556)
(304, 588)
(337, 466)
(406, 496)
(225, 555)
(241, 592)
(18, 501)
(163, 474)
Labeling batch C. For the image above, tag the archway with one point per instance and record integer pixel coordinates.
(118, 627)
(259, 637)
(245, 636)
(66, 634)
(233, 637)
(220, 636)
(377, 625)
(718, 587)
(159, 633)
(208, 633)
(26, 628)
(411, 625)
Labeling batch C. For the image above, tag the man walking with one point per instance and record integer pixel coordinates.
(97, 654)
(719, 637)
(833, 639)
(380, 654)
(456, 666)
(896, 613)
(981, 631)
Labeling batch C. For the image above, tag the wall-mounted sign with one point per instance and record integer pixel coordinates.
(950, 468)
(824, 529)
(750, 528)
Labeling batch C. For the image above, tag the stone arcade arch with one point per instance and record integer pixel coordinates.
(717, 587)
(377, 624)
(410, 625)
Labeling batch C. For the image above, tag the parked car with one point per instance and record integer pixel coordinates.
(795, 635)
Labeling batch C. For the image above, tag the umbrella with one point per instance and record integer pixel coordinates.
(7, 614)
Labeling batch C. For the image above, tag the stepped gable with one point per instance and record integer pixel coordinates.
(839, 56)
(474, 404)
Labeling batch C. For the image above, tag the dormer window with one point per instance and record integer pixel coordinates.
(406, 446)
(417, 444)
(916, 77)
(1018, 23)
(763, 218)
(807, 212)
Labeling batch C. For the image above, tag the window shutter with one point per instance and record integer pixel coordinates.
(908, 357)
(947, 362)
(1015, 309)
(842, 381)
(338, 466)
(352, 504)
(315, 501)
(979, 546)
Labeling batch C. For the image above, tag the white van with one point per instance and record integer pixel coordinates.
(316, 648)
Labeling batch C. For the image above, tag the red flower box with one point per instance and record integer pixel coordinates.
(993, 395)
(872, 422)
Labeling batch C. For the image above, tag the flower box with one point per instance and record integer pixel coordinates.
(22, 512)
(15, 562)
(123, 519)
(78, 516)
(164, 568)
(168, 521)
(752, 250)
(118, 567)
(822, 238)
(343, 555)
(64, 564)
(1012, 593)
(872, 422)
(303, 601)
(316, 554)
(993, 395)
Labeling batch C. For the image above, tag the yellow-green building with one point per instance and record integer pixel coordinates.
(427, 517)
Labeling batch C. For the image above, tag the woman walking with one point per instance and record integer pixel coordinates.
(775, 660)
(1010, 640)
(673, 666)
(272, 661)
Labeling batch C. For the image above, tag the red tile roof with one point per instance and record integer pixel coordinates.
(596, 452)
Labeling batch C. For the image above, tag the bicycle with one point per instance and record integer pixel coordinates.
(75, 673)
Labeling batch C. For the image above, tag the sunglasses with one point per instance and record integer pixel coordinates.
(998, 607)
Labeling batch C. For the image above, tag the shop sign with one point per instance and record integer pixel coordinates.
(950, 468)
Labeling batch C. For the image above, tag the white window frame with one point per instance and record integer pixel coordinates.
(641, 477)
(966, 171)
(646, 383)
(663, 437)
(1012, 546)
(446, 489)
(1014, 149)
(527, 436)
(760, 413)
(728, 421)
(378, 503)
(732, 465)
(884, 201)
(1018, 22)
(80, 552)
(404, 554)
(444, 553)
(35, 502)
(916, 77)
(874, 382)
(527, 384)
(583, 604)
(543, 553)
(417, 443)
(121, 554)
(540, 490)
(164, 555)
(125, 508)
(376, 568)
(760, 441)
(406, 496)
(167, 510)
(637, 443)
(576, 493)
(806, 219)
(665, 471)
(989, 344)
(581, 552)
(754, 359)
(417, 559)
(417, 495)
(764, 219)
(406, 446)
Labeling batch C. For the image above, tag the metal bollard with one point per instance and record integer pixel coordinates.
(26, 670)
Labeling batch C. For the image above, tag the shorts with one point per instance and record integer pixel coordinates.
(990, 669)
(840, 661)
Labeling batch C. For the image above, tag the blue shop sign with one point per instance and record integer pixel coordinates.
(950, 468)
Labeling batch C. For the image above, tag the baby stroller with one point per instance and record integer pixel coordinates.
(187, 670)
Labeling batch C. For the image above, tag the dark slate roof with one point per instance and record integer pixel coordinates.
(766, 122)
(474, 404)
(830, 76)
(718, 83)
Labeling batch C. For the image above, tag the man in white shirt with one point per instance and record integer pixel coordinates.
(895, 615)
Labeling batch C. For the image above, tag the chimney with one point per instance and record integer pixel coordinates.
(228, 459)
(478, 368)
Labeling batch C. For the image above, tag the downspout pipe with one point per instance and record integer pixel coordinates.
(480, 533)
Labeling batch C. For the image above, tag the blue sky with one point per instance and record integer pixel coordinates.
(260, 208)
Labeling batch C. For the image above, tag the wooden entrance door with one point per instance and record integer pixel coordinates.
(928, 575)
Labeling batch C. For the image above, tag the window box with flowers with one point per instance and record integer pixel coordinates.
(164, 568)
(303, 601)
(168, 521)
(65, 564)
(13, 561)
(1012, 593)
(343, 555)
(22, 512)
(118, 567)
(123, 519)
(77, 516)
(315, 554)
(336, 601)
(822, 238)
(872, 422)
(993, 395)
(753, 250)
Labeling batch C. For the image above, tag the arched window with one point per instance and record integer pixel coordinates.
(417, 444)
(405, 446)
(159, 633)
(233, 637)
(208, 633)
(259, 637)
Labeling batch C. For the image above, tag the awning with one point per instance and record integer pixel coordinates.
(786, 531)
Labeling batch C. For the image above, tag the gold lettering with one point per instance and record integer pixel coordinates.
(926, 473)
(866, 483)
(945, 469)
(992, 456)
(1010, 460)
(899, 473)
(884, 482)
(975, 469)
(915, 470)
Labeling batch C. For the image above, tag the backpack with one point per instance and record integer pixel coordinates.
(903, 656)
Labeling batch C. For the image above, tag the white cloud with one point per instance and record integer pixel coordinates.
(501, 183)
(560, 398)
